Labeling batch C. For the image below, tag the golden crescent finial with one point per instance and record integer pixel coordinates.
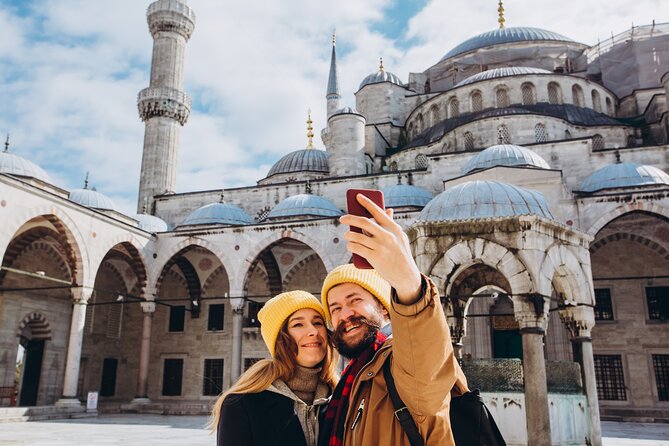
(501, 18)
(381, 69)
(310, 131)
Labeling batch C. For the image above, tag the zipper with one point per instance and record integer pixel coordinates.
(358, 414)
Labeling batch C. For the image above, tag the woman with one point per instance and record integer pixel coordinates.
(277, 400)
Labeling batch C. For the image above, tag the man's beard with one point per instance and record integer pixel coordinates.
(353, 351)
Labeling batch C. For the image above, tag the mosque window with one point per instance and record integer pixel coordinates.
(657, 298)
(577, 95)
(596, 101)
(502, 98)
(610, 378)
(540, 133)
(554, 93)
(609, 107)
(603, 305)
(177, 318)
(597, 142)
(631, 140)
(567, 134)
(252, 318)
(108, 382)
(114, 317)
(421, 161)
(661, 368)
(248, 362)
(410, 130)
(172, 376)
(90, 314)
(503, 135)
(216, 319)
(434, 114)
(393, 166)
(453, 108)
(529, 94)
(477, 101)
(420, 124)
(212, 383)
(469, 141)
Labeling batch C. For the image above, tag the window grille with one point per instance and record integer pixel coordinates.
(469, 141)
(603, 304)
(610, 378)
(529, 96)
(577, 95)
(503, 136)
(477, 101)
(502, 98)
(212, 383)
(172, 376)
(596, 101)
(554, 95)
(216, 318)
(540, 133)
(177, 318)
(90, 315)
(453, 108)
(114, 319)
(597, 142)
(248, 362)
(657, 298)
(661, 368)
(421, 161)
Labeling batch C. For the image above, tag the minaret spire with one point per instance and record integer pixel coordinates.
(310, 131)
(332, 94)
(7, 144)
(500, 11)
(86, 181)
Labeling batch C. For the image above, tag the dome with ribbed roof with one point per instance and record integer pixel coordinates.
(218, 214)
(501, 72)
(303, 205)
(150, 223)
(484, 199)
(16, 165)
(381, 76)
(305, 160)
(92, 199)
(624, 175)
(505, 35)
(505, 155)
(405, 195)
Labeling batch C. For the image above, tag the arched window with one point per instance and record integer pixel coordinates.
(393, 166)
(596, 101)
(529, 94)
(577, 95)
(631, 141)
(503, 135)
(502, 98)
(421, 161)
(434, 114)
(567, 134)
(609, 107)
(420, 124)
(410, 130)
(477, 101)
(554, 93)
(453, 108)
(597, 142)
(540, 133)
(469, 141)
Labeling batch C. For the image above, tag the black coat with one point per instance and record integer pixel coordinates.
(259, 419)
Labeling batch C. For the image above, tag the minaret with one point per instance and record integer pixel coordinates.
(163, 106)
(333, 97)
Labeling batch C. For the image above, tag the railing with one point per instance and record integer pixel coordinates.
(636, 33)
(172, 6)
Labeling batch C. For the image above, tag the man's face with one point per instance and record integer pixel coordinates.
(356, 317)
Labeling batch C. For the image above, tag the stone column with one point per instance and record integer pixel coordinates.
(579, 320)
(531, 312)
(237, 304)
(141, 395)
(80, 296)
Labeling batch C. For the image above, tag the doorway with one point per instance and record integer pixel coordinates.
(33, 353)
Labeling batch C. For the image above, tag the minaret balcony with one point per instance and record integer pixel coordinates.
(171, 16)
(164, 102)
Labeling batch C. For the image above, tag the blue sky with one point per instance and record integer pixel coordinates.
(70, 71)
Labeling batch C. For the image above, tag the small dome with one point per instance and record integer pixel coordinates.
(484, 199)
(15, 165)
(381, 76)
(92, 199)
(505, 35)
(501, 72)
(305, 160)
(305, 205)
(150, 223)
(346, 111)
(218, 214)
(504, 155)
(402, 195)
(624, 175)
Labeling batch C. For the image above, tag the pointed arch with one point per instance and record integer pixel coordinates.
(608, 217)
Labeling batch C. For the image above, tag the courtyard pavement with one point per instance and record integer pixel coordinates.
(148, 430)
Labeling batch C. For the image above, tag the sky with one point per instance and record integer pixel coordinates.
(70, 71)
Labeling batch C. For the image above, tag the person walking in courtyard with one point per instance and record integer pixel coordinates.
(276, 402)
(387, 317)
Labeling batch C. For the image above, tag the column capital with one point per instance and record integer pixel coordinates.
(148, 307)
(531, 312)
(579, 320)
(458, 328)
(237, 304)
(80, 295)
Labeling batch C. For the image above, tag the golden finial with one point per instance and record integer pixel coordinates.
(7, 144)
(310, 131)
(501, 19)
(381, 69)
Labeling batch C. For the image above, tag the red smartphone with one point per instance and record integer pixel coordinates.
(355, 208)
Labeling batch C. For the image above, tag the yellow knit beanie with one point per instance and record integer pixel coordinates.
(279, 308)
(369, 279)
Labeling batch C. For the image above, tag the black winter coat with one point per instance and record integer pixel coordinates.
(259, 419)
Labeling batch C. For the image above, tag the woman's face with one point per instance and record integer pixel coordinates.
(307, 328)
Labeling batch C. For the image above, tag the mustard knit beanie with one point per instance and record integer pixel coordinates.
(369, 279)
(279, 308)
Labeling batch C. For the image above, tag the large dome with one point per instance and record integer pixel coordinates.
(15, 165)
(624, 175)
(150, 223)
(92, 199)
(484, 199)
(501, 72)
(305, 205)
(504, 155)
(218, 214)
(381, 76)
(505, 35)
(402, 195)
(305, 160)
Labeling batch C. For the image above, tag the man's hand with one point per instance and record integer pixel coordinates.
(386, 248)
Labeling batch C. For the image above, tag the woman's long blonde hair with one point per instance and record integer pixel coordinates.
(282, 366)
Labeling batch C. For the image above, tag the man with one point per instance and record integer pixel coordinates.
(389, 313)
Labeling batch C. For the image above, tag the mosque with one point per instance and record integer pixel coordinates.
(529, 171)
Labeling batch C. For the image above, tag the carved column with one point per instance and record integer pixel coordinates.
(141, 395)
(579, 320)
(80, 296)
(237, 304)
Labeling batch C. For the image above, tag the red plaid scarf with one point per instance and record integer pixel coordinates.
(335, 415)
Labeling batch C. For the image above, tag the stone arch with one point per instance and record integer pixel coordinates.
(655, 246)
(299, 266)
(129, 253)
(15, 252)
(212, 278)
(563, 271)
(132, 246)
(38, 325)
(278, 236)
(608, 217)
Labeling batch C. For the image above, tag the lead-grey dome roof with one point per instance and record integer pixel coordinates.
(92, 199)
(402, 195)
(484, 199)
(16, 165)
(305, 205)
(218, 214)
(504, 155)
(505, 35)
(501, 72)
(305, 160)
(346, 111)
(150, 223)
(381, 76)
(624, 175)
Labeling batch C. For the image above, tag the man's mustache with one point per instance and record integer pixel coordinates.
(354, 320)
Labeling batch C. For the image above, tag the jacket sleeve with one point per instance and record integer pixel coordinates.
(234, 427)
(424, 365)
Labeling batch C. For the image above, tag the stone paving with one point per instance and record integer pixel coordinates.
(148, 430)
